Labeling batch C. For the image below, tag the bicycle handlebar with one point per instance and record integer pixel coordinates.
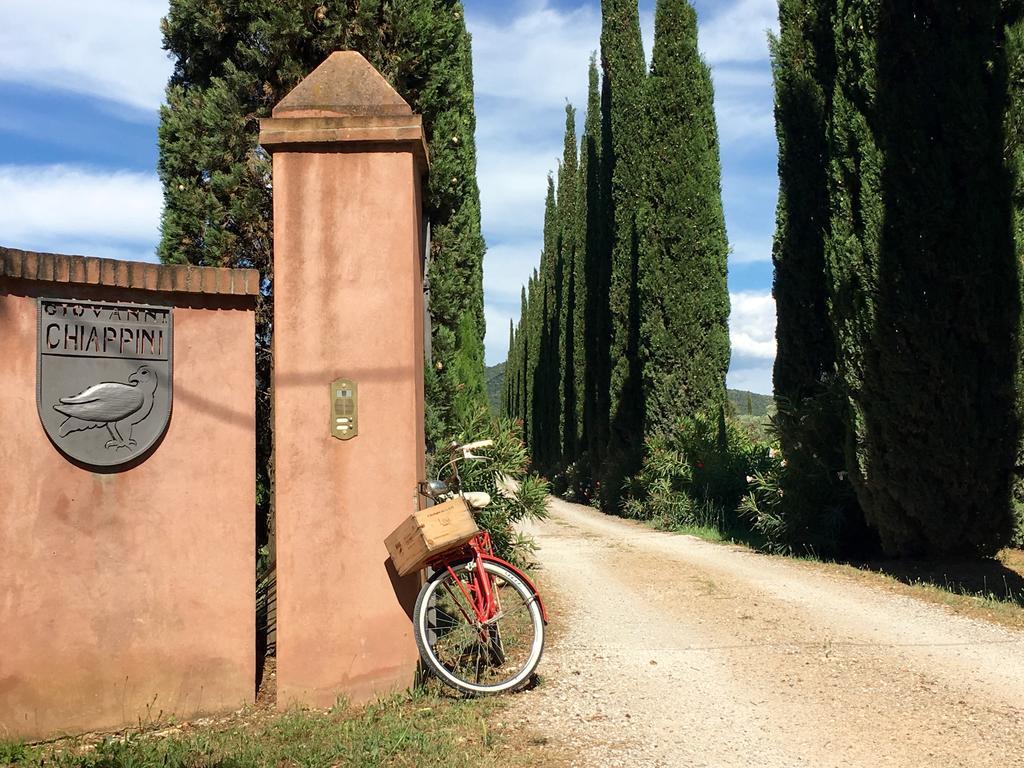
(466, 452)
(470, 446)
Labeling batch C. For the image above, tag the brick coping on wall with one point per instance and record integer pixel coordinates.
(137, 275)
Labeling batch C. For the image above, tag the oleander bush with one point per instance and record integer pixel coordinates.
(696, 475)
(517, 495)
(1018, 536)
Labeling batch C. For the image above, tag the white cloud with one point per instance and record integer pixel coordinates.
(497, 328)
(740, 32)
(72, 209)
(752, 325)
(731, 76)
(750, 249)
(504, 275)
(741, 120)
(513, 184)
(110, 49)
(507, 267)
(752, 334)
(740, 186)
(539, 58)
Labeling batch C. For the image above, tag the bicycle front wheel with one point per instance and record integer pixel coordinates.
(473, 656)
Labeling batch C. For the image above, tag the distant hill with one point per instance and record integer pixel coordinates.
(750, 403)
(494, 375)
(759, 405)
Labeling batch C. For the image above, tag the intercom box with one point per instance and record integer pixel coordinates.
(429, 532)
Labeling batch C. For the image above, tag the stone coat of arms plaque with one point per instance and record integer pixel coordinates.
(104, 378)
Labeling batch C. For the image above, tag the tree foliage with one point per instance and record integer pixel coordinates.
(568, 234)
(684, 300)
(810, 405)
(924, 282)
(233, 61)
(622, 59)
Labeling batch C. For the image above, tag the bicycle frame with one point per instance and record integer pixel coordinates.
(478, 592)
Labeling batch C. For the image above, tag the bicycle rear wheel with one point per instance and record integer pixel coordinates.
(472, 656)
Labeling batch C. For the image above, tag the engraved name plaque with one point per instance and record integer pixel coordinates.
(104, 378)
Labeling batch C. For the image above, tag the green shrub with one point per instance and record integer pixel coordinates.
(803, 502)
(783, 527)
(1018, 536)
(581, 479)
(696, 476)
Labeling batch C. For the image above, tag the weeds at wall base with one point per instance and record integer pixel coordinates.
(423, 727)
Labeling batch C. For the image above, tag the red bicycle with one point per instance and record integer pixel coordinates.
(479, 620)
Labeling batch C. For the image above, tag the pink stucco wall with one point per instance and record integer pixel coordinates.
(348, 303)
(129, 595)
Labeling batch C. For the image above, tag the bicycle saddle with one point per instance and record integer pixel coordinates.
(477, 499)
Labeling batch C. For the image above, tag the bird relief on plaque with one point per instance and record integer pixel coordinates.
(104, 378)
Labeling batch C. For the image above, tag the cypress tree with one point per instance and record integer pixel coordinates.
(583, 266)
(547, 407)
(817, 506)
(443, 95)
(924, 279)
(509, 368)
(523, 364)
(1014, 23)
(568, 225)
(598, 224)
(233, 62)
(684, 325)
(622, 59)
(534, 324)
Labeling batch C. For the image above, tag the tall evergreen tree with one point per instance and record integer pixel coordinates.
(568, 225)
(234, 60)
(624, 67)
(599, 231)
(523, 361)
(818, 508)
(547, 440)
(534, 325)
(1014, 23)
(924, 279)
(684, 324)
(443, 95)
(510, 362)
(584, 360)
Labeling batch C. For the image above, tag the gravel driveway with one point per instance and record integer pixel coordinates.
(666, 650)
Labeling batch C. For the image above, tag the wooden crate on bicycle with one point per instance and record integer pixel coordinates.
(429, 532)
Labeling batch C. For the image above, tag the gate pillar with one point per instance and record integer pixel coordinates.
(348, 159)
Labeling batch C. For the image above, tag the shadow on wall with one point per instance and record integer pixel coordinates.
(324, 377)
(406, 587)
(242, 417)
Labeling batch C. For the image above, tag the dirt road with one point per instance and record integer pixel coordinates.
(667, 650)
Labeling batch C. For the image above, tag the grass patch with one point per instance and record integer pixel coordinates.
(418, 730)
(11, 752)
(706, 532)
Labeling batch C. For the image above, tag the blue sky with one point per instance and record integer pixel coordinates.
(80, 85)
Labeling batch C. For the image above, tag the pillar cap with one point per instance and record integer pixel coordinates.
(344, 101)
(344, 85)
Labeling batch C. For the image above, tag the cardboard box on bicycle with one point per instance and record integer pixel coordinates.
(428, 532)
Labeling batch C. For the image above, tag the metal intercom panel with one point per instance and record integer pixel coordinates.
(344, 409)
